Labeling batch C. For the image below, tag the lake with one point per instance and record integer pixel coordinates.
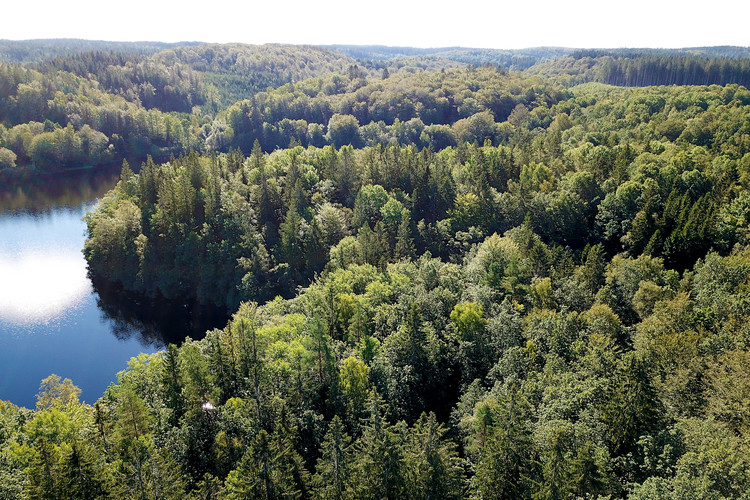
(53, 318)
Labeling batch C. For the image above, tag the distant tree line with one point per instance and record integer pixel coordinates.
(642, 68)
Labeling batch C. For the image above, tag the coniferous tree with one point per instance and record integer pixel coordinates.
(333, 467)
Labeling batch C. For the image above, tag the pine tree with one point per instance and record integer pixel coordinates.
(42, 477)
(376, 471)
(315, 250)
(290, 248)
(632, 407)
(333, 466)
(132, 437)
(506, 467)
(404, 248)
(172, 384)
(271, 469)
(432, 467)
(80, 474)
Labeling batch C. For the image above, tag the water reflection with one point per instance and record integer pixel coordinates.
(41, 193)
(156, 322)
(41, 286)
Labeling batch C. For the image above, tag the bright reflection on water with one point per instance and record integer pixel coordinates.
(41, 286)
(42, 268)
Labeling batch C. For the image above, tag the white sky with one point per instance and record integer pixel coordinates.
(483, 23)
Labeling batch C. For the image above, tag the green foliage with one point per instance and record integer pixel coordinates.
(344, 130)
(501, 437)
(269, 469)
(487, 283)
(7, 158)
(53, 392)
(354, 385)
(432, 466)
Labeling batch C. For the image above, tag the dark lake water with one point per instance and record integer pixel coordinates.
(53, 319)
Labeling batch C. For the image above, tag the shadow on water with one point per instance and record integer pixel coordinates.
(154, 322)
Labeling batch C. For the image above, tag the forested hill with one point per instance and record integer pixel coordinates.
(76, 102)
(424, 108)
(459, 282)
(97, 106)
(716, 52)
(238, 71)
(228, 72)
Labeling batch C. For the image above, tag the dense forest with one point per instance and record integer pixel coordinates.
(638, 69)
(446, 281)
(96, 103)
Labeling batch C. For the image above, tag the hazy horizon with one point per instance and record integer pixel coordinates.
(435, 47)
(573, 24)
